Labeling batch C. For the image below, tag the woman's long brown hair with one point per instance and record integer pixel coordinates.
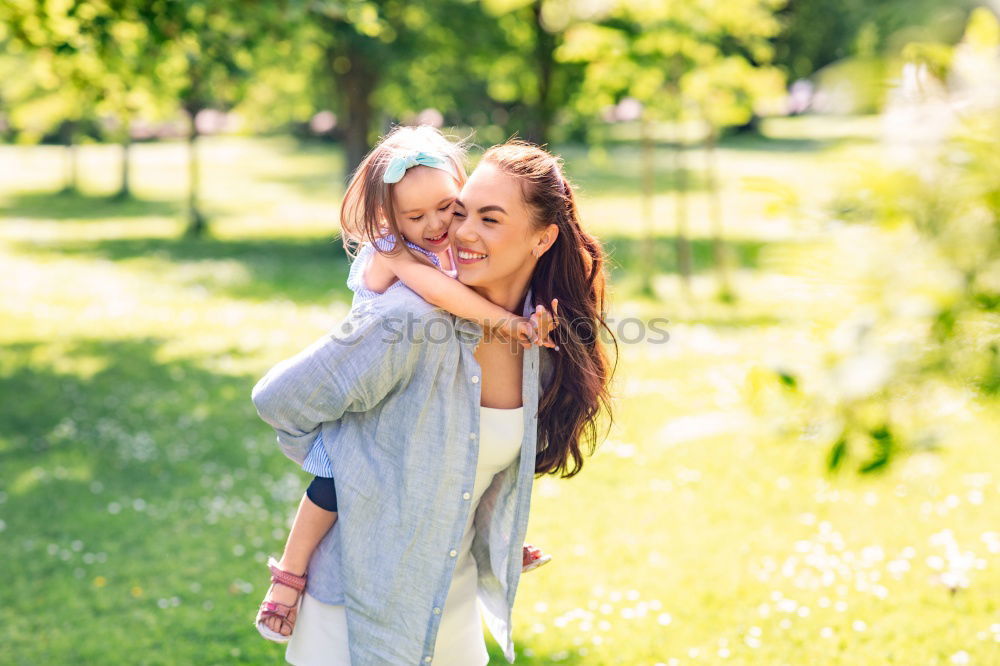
(572, 270)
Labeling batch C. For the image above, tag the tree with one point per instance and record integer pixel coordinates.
(205, 56)
(934, 195)
(724, 92)
(623, 58)
(526, 71)
(358, 41)
(128, 84)
(388, 59)
(61, 91)
(647, 51)
(125, 57)
(816, 33)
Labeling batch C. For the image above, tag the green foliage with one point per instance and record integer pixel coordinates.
(126, 59)
(816, 33)
(982, 33)
(727, 90)
(532, 65)
(936, 304)
(934, 55)
(708, 61)
(52, 71)
(858, 84)
(206, 50)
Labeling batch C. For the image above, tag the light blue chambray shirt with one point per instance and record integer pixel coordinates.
(395, 392)
(317, 461)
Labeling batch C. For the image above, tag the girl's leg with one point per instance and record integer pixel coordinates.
(316, 515)
(312, 522)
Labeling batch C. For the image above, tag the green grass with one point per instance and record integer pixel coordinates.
(140, 494)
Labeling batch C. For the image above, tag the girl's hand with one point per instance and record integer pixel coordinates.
(535, 329)
(523, 330)
(544, 322)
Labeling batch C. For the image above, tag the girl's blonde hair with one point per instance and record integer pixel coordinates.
(367, 207)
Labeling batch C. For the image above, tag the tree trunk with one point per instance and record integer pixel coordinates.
(682, 245)
(71, 182)
(647, 261)
(545, 47)
(125, 190)
(355, 87)
(720, 256)
(197, 224)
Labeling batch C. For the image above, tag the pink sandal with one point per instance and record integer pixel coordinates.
(535, 560)
(287, 612)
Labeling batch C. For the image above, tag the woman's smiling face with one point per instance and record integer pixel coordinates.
(423, 202)
(492, 230)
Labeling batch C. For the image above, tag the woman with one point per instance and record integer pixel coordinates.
(436, 431)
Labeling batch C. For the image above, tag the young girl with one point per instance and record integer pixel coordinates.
(406, 186)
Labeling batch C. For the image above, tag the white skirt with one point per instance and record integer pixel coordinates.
(320, 635)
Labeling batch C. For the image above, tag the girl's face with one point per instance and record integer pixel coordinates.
(423, 200)
(492, 231)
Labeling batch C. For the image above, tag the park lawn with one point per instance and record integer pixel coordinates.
(140, 495)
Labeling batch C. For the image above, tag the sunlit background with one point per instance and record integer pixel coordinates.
(805, 472)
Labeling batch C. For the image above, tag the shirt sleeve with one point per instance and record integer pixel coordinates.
(386, 243)
(317, 461)
(352, 368)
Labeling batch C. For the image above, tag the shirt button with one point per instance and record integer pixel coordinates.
(453, 552)
(427, 659)
(466, 495)
(472, 435)
(437, 611)
(475, 379)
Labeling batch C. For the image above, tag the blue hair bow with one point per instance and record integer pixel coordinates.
(399, 164)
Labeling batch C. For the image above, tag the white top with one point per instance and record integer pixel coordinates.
(320, 635)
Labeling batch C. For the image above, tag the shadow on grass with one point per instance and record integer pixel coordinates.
(139, 499)
(128, 485)
(314, 271)
(104, 393)
(758, 142)
(311, 184)
(304, 271)
(76, 206)
(620, 174)
(616, 168)
(624, 253)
